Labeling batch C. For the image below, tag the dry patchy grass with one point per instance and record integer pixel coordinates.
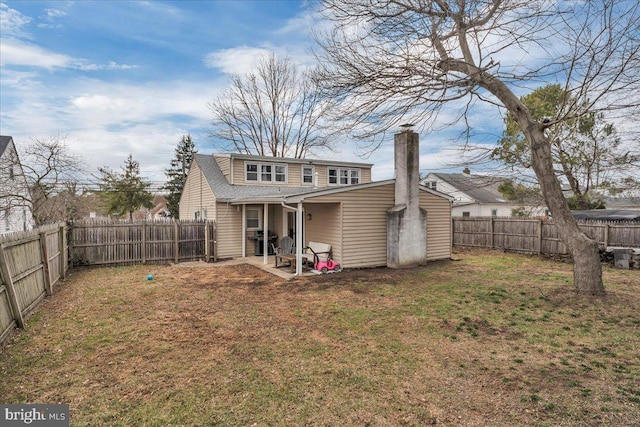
(491, 340)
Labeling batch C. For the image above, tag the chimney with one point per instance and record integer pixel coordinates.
(466, 171)
(406, 222)
(407, 167)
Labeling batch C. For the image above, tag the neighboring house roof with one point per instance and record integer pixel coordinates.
(4, 143)
(622, 202)
(607, 215)
(226, 192)
(481, 188)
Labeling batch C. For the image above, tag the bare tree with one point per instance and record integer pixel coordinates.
(395, 60)
(52, 174)
(274, 111)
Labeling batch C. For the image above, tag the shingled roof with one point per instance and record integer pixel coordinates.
(481, 188)
(226, 192)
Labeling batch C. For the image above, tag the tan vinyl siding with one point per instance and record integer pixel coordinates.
(324, 226)
(229, 230)
(225, 166)
(365, 176)
(294, 173)
(364, 225)
(438, 225)
(196, 193)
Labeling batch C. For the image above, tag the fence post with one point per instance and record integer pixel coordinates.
(11, 291)
(45, 263)
(176, 246)
(144, 243)
(491, 230)
(206, 241)
(539, 236)
(215, 241)
(606, 235)
(61, 250)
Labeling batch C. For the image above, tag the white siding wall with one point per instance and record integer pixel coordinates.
(15, 212)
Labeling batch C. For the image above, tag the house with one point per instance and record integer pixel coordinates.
(476, 195)
(316, 200)
(157, 212)
(15, 205)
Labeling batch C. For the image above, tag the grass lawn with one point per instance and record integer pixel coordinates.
(491, 340)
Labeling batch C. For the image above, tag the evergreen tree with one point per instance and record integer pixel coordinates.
(127, 191)
(177, 173)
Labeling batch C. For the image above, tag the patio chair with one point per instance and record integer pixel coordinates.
(285, 251)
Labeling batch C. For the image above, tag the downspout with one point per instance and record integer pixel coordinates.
(299, 240)
(244, 230)
(265, 234)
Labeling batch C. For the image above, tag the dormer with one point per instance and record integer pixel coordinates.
(243, 169)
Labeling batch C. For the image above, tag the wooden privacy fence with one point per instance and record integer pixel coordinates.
(142, 242)
(537, 236)
(31, 264)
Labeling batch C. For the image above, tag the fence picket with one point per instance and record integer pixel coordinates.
(536, 236)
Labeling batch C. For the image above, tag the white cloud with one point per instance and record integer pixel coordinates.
(17, 53)
(12, 21)
(13, 52)
(55, 13)
(237, 60)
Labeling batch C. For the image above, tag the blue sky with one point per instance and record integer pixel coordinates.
(119, 78)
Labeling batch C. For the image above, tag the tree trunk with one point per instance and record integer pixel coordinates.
(587, 270)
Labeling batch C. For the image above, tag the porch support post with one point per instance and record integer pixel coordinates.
(299, 241)
(265, 241)
(244, 231)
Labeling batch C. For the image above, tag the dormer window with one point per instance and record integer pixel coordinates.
(265, 172)
(251, 172)
(343, 176)
(308, 173)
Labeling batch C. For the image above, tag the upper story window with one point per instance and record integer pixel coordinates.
(251, 172)
(11, 173)
(265, 172)
(343, 176)
(281, 173)
(432, 185)
(308, 173)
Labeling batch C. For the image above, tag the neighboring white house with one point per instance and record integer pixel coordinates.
(475, 195)
(15, 208)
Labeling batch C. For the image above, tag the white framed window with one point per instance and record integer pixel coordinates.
(281, 173)
(432, 185)
(253, 217)
(355, 176)
(466, 214)
(332, 176)
(251, 172)
(308, 173)
(343, 176)
(265, 172)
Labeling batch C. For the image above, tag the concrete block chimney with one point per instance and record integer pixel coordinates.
(406, 222)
